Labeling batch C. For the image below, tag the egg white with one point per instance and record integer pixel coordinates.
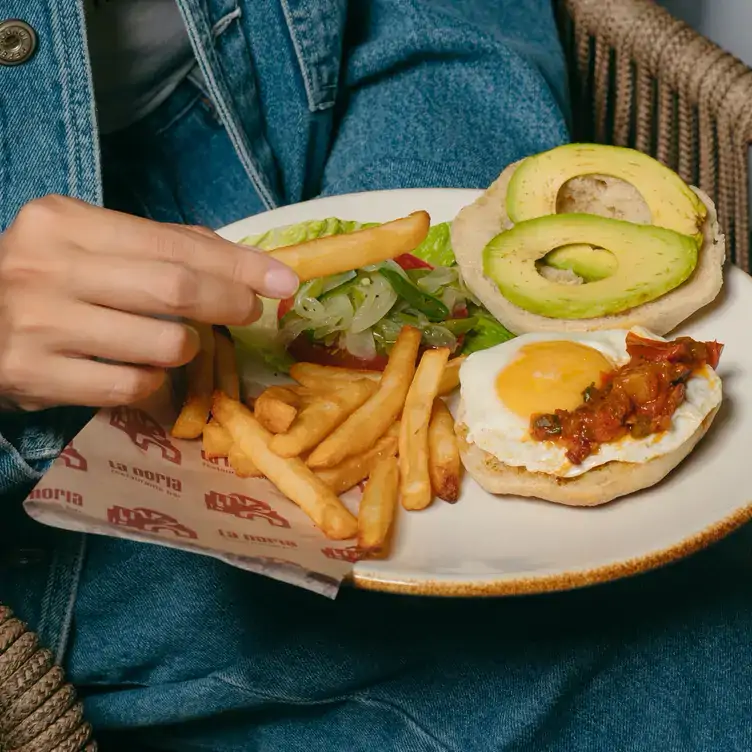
(497, 430)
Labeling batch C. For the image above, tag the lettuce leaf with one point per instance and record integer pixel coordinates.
(488, 332)
(436, 249)
(280, 237)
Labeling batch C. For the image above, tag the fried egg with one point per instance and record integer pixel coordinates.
(501, 388)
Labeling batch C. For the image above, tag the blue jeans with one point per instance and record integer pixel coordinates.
(175, 651)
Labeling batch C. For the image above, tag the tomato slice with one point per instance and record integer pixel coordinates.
(285, 306)
(302, 349)
(408, 261)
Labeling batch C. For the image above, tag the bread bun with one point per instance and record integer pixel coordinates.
(597, 486)
(477, 224)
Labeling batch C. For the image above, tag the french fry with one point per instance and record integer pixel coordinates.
(372, 419)
(225, 365)
(276, 408)
(320, 417)
(315, 376)
(200, 375)
(343, 253)
(378, 505)
(291, 476)
(450, 379)
(241, 463)
(216, 441)
(357, 468)
(415, 481)
(444, 464)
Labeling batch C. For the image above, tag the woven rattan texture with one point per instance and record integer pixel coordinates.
(38, 710)
(644, 79)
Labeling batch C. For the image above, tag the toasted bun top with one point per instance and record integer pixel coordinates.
(476, 225)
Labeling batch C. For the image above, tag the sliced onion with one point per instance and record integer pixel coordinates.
(337, 317)
(435, 335)
(378, 299)
(361, 345)
(306, 304)
(437, 278)
(336, 280)
(452, 298)
(293, 328)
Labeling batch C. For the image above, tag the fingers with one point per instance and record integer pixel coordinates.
(152, 287)
(87, 331)
(113, 233)
(85, 383)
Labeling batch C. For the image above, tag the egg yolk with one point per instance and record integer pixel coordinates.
(549, 376)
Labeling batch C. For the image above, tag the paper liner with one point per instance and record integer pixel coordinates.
(124, 476)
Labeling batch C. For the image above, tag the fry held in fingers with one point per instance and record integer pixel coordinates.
(415, 481)
(200, 376)
(276, 408)
(320, 417)
(216, 441)
(378, 505)
(357, 468)
(444, 464)
(291, 476)
(343, 253)
(226, 376)
(371, 421)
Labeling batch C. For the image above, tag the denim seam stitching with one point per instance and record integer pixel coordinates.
(225, 114)
(307, 82)
(97, 151)
(77, 567)
(221, 25)
(358, 697)
(58, 34)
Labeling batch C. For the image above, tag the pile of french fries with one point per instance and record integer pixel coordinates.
(331, 430)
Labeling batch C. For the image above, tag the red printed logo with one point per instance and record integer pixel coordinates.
(351, 554)
(73, 459)
(244, 507)
(148, 521)
(144, 432)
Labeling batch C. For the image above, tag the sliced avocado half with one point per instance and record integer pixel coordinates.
(651, 261)
(536, 183)
(587, 262)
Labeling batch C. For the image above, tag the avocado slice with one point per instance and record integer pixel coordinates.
(591, 264)
(536, 183)
(651, 261)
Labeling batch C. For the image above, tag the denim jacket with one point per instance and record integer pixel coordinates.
(305, 90)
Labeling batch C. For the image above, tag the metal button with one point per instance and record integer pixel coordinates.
(23, 557)
(18, 41)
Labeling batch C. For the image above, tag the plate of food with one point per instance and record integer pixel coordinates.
(536, 387)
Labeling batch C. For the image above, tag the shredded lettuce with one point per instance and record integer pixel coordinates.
(355, 312)
(436, 249)
(303, 231)
(486, 333)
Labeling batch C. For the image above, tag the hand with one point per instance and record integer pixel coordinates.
(79, 283)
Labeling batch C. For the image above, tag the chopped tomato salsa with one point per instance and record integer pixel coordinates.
(637, 399)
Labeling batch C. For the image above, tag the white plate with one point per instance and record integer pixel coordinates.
(486, 545)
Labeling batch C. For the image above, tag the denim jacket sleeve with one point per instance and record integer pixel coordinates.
(477, 84)
(30, 442)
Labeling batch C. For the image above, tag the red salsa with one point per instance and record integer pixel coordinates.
(637, 399)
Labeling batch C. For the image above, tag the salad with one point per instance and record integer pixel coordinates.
(353, 319)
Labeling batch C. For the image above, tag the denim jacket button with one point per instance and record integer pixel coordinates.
(18, 41)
